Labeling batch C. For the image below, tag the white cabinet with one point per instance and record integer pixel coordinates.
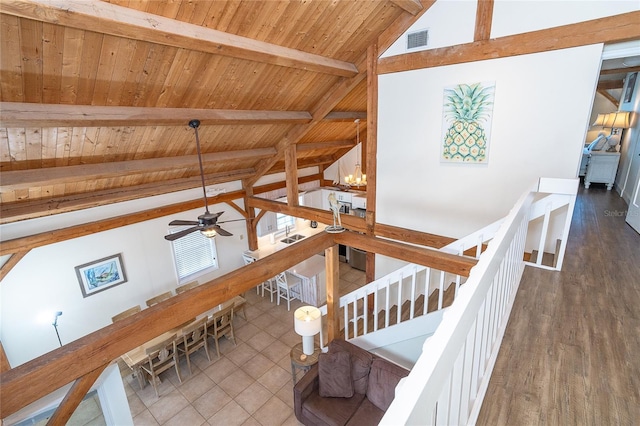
(267, 224)
(602, 168)
(312, 199)
(359, 202)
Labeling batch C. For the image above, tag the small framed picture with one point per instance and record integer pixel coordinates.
(101, 275)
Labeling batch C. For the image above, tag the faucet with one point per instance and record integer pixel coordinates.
(287, 231)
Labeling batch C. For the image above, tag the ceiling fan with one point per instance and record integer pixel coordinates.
(207, 223)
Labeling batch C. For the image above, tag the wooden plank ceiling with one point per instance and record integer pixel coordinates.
(96, 96)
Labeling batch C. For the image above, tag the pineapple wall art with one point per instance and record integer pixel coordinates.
(466, 126)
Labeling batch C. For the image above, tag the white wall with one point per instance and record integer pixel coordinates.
(539, 123)
(540, 120)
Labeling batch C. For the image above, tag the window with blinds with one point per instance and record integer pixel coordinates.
(194, 255)
(282, 221)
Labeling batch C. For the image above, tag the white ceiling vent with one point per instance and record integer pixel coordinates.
(417, 39)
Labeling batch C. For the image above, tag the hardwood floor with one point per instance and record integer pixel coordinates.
(571, 351)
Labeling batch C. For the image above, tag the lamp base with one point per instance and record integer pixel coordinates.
(307, 345)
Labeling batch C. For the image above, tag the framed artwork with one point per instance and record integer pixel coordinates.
(466, 122)
(101, 275)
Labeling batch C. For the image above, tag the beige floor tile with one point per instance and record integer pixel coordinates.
(276, 351)
(136, 406)
(292, 421)
(211, 402)
(195, 386)
(279, 328)
(261, 340)
(241, 354)
(188, 416)
(230, 415)
(286, 393)
(246, 332)
(290, 338)
(219, 370)
(265, 321)
(236, 382)
(145, 418)
(253, 397)
(148, 394)
(168, 406)
(273, 413)
(251, 422)
(257, 366)
(275, 378)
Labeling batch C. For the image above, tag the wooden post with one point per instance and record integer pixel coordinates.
(332, 268)
(291, 169)
(74, 396)
(252, 222)
(372, 152)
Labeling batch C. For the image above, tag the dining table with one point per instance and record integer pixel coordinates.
(311, 273)
(136, 357)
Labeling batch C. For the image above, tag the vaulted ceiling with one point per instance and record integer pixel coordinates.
(96, 96)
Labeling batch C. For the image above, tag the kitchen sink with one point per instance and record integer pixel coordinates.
(292, 238)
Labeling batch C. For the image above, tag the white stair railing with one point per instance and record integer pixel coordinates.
(447, 384)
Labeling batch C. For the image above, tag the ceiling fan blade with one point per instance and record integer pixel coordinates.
(176, 235)
(183, 222)
(232, 220)
(221, 231)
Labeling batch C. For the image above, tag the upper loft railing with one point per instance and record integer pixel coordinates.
(448, 382)
(368, 308)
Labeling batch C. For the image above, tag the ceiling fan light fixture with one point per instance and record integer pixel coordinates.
(208, 232)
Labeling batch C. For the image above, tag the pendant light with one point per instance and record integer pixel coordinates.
(357, 178)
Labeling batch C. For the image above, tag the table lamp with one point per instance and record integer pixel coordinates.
(307, 324)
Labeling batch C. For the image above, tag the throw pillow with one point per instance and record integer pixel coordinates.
(334, 375)
(383, 379)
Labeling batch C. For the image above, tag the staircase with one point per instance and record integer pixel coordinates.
(451, 371)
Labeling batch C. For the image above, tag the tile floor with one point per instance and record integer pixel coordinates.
(250, 384)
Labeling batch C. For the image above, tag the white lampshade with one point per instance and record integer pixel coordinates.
(599, 120)
(307, 324)
(617, 120)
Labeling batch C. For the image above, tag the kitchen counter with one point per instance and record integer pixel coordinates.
(265, 249)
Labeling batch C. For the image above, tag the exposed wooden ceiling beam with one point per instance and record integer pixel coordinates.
(340, 116)
(610, 84)
(319, 111)
(121, 21)
(339, 90)
(484, 19)
(314, 146)
(22, 114)
(604, 30)
(17, 179)
(24, 244)
(624, 70)
(22, 210)
(412, 6)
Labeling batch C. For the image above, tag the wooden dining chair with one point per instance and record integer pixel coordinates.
(288, 289)
(239, 303)
(127, 313)
(221, 324)
(160, 358)
(194, 337)
(159, 298)
(185, 287)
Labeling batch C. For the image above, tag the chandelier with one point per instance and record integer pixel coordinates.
(357, 178)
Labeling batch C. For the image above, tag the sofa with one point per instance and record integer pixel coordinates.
(348, 386)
